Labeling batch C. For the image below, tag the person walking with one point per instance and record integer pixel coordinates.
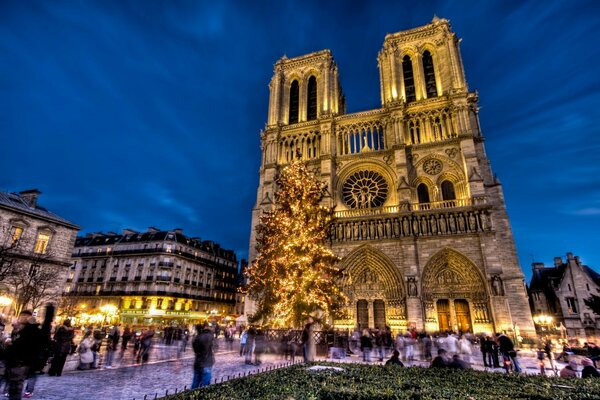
(204, 356)
(465, 348)
(63, 338)
(111, 345)
(23, 353)
(507, 349)
(146, 345)
(366, 345)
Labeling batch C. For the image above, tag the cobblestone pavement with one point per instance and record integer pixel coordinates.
(155, 378)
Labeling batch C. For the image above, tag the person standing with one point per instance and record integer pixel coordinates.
(243, 339)
(86, 355)
(205, 358)
(125, 338)
(23, 353)
(484, 352)
(251, 335)
(306, 339)
(63, 337)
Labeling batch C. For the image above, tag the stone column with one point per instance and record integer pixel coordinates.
(419, 76)
(371, 313)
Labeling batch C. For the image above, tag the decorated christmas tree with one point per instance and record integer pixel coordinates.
(294, 274)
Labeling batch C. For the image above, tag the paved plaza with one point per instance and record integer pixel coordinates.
(165, 372)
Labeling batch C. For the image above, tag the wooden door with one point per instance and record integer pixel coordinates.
(443, 314)
(463, 315)
(362, 314)
(379, 314)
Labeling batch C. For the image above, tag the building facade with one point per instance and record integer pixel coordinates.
(153, 277)
(420, 220)
(559, 292)
(35, 248)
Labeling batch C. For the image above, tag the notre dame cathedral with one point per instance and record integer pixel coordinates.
(420, 220)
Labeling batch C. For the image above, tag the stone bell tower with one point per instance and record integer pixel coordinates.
(420, 220)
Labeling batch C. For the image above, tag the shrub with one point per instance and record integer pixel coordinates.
(362, 382)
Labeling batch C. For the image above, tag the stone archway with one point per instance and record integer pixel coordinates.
(454, 294)
(375, 289)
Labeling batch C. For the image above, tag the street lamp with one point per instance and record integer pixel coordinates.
(545, 322)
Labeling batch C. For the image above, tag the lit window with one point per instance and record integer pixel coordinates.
(571, 305)
(16, 234)
(41, 243)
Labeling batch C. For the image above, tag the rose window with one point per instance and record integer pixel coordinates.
(365, 189)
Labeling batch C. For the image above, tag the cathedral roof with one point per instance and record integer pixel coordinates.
(546, 277)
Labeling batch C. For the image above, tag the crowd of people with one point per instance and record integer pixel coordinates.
(31, 346)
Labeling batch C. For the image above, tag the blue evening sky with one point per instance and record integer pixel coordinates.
(147, 113)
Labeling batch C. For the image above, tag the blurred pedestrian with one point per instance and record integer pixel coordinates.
(366, 345)
(63, 339)
(146, 345)
(86, 355)
(23, 354)
(307, 340)
(112, 342)
(243, 342)
(125, 338)
(205, 359)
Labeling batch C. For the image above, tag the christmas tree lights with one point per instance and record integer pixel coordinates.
(294, 274)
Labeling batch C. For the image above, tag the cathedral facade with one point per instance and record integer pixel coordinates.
(420, 221)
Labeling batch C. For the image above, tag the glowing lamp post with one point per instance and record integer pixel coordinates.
(5, 302)
(543, 321)
(110, 311)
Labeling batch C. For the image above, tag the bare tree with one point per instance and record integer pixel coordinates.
(34, 281)
(9, 252)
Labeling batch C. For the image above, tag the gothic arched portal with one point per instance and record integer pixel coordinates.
(375, 288)
(454, 293)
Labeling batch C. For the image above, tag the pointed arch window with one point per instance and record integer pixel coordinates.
(423, 193)
(294, 102)
(311, 105)
(409, 79)
(448, 192)
(430, 86)
(415, 132)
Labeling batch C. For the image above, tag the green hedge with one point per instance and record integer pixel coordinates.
(362, 382)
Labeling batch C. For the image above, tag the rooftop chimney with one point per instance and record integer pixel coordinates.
(30, 196)
(558, 261)
(178, 231)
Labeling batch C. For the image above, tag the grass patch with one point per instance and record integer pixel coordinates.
(362, 382)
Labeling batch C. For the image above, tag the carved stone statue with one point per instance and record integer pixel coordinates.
(497, 287)
(412, 287)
